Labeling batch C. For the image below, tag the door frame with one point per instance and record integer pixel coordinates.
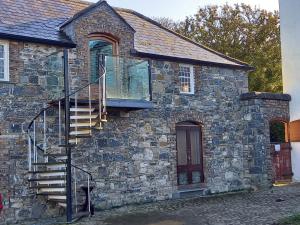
(190, 168)
(286, 145)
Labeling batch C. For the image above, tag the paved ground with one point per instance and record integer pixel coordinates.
(256, 208)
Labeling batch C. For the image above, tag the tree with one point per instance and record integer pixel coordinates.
(248, 34)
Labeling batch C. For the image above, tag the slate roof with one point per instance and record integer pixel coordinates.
(152, 38)
(40, 21)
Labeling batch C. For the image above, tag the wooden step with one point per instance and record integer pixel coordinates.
(49, 164)
(81, 109)
(46, 171)
(51, 190)
(57, 193)
(47, 179)
(50, 173)
(74, 141)
(83, 136)
(53, 186)
(84, 117)
(74, 125)
(58, 157)
(57, 197)
(80, 132)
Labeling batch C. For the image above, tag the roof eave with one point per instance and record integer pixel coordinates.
(245, 67)
(37, 40)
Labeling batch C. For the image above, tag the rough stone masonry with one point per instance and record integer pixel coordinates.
(133, 159)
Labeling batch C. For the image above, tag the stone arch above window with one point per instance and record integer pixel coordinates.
(108, 38)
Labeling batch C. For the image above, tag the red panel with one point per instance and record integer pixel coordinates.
(282, 162)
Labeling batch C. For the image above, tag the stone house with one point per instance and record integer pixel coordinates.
(150, 114)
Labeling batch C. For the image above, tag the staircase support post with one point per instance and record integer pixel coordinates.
(67, 132)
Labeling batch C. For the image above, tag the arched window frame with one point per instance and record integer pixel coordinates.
(106, 37)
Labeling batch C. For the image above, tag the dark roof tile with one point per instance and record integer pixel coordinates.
(41, 19)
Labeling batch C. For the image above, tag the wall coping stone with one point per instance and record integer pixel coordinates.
(265, 96)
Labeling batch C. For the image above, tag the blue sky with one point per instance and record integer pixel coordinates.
(178, 9)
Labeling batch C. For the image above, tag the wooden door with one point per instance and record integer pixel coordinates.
(189, 154)
(282, 165)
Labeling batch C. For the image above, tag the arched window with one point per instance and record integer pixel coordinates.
(189, 154)
(100, 45)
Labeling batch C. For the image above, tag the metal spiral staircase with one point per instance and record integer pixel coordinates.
(59, 127)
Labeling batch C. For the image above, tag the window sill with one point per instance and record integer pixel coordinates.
(6, 82)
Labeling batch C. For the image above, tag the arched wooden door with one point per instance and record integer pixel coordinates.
(189, 154)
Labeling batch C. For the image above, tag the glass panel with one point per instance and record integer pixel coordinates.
(1, 51)
(196, 177)
(181, 147)
(1, 65)
(195, 146)
(182, 179)
(98, 48)
(127, 78)
(54, 80)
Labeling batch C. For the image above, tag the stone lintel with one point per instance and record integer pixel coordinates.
(265, 96)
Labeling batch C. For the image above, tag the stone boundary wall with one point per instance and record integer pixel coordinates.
(258, 110)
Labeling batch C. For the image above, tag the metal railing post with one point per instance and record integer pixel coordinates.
(104, 88)
(59, 123)
(67, 133)
(45, 135)
(34, 147)
(90, 107)
(29, 153)
(76, 114)
(89, 197)
(75, 189)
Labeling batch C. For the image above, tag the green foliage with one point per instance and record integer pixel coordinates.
(249, 34)
(293, 220)
(277, 132)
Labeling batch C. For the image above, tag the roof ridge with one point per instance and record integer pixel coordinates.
(182, 36)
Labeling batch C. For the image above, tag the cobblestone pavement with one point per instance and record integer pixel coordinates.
(255, 208)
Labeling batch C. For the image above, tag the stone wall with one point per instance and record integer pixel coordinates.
(32, 83)
(258, 110)
(133, 159)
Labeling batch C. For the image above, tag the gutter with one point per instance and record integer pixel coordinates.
(37, 40)
(190, 61)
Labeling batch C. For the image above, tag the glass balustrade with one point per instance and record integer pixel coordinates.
(127, 78)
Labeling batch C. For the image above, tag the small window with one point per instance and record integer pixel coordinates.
(186, 77)
(4, 69)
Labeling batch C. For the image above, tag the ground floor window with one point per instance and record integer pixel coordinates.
(4, 68)
(189, 153)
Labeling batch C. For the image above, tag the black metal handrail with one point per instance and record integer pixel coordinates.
(52, 104)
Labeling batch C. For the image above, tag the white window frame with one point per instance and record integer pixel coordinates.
(192, 79)
(6, 60)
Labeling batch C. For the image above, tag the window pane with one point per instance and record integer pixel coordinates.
(182, 179)
(181, 147)
(98, 48)
(185, 79)
(196, 177)
(2, 67)
(1, 51)
(195, 146)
